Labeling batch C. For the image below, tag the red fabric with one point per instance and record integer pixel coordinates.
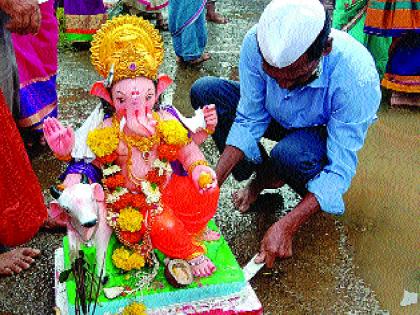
(194, 209)
(22, 209)
(186, 212)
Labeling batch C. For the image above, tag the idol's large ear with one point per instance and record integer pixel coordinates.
(163, 82)
(98, 89)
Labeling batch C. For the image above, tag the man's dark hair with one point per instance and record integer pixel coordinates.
(315, 50)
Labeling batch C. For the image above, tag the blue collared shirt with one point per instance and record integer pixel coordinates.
(344, 98)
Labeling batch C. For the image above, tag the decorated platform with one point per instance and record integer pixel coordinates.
(225, 292)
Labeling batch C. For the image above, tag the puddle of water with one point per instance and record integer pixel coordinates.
(382, 209)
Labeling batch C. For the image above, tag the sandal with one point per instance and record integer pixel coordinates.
(204, 57)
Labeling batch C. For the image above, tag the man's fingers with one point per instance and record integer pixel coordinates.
(260, 258)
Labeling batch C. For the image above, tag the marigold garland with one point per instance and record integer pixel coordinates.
(168, 152)
(153, 177)
(127, 260)
(114, 181)
(130, 220)
(108, 159)
(103, 141)
(134, 200)
(132, 237)
(173, 132)
(134, 309)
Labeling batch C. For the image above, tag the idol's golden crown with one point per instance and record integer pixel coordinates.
(129, 44)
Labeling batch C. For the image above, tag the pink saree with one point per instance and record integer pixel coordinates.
(36, 57)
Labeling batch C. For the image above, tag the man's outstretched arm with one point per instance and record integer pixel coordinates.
(228, 160)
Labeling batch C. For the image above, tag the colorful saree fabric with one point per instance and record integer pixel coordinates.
(350, 16)
(403, 69)
(187, 24)
(36, 57)
(401, 20)
(22, 209)
(392, 17)
(83, 18)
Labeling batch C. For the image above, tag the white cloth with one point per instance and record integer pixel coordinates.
(81, 150)
(287, 28)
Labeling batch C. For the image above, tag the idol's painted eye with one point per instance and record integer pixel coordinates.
(120, 100)
(149, 97)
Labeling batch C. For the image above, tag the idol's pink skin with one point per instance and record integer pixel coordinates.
(59, 138)
(133, 100)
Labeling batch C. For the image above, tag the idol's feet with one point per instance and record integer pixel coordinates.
(16, 260)
(202, 266)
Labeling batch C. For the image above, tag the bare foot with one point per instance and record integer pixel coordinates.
(210, 235)
(216, 18)
(243, 199)
(202, 266)
(212, 15)
(16, 260)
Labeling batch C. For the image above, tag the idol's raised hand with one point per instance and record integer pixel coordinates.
(59, 138)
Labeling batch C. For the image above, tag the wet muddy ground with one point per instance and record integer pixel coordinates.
(360, 263)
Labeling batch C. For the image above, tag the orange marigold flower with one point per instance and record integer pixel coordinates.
(123, 202)
(167, 152)
(107, 159)
(138, 201)
(132, 237)
(115, 181)
(153, 177)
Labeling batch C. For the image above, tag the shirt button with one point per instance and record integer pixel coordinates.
(286, 97)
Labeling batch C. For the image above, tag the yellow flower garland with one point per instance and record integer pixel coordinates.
(173, 132)
(135, 309)
(103, 141)
(127, 260)
(130, 220)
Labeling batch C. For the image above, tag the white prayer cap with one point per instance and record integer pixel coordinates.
(287, 28)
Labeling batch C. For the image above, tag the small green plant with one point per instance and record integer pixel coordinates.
(63, 44)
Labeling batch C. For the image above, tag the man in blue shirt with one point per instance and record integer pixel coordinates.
(313, 90)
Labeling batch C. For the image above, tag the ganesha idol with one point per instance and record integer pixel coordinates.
(160, 192)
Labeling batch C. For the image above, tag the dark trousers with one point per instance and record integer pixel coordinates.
(298, 156)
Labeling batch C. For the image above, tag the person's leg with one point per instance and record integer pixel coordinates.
(225, 95)
(294, 160)
(212, 15)
(187, 25)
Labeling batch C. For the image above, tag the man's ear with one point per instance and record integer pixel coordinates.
(163, 82)
(98, 89)
(328, 47)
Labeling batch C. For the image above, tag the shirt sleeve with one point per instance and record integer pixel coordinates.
(354, 110)
(252, 119)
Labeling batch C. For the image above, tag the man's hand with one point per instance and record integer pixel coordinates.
(277, 242)
(25, 15)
